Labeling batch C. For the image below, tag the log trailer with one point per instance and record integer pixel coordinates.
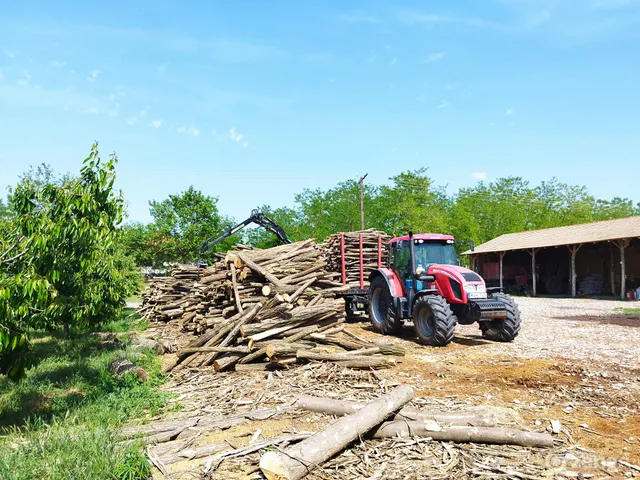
(422, 281)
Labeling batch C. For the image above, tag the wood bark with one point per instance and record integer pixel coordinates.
(332, 406)
(501, 436)
(258, 269)
(123, 366)
(297, 461)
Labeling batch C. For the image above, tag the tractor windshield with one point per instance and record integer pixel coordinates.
(430, 253)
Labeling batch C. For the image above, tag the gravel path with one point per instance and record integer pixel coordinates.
(583, 329)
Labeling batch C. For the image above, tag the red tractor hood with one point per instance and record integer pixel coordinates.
(471, 284)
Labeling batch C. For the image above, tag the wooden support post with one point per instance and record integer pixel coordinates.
(533, 269)
(501, 257)
(623, 244)
(361, 265)
(612, 274)
(342, 261)
(573, 249)
(472, 262)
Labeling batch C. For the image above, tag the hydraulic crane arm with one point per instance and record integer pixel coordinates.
(256, 217)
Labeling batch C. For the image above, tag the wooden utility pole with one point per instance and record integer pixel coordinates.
(362, 200)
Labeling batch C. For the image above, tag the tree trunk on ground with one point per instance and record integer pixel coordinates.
(297, 461)
(501, 436)
(343, 407)
(122, 366)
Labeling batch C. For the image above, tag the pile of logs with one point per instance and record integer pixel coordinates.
(374, 249)
(384, 417)
(274, 306)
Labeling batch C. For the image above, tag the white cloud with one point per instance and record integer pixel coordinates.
(143, 113)
(434, 57)
(93, 111)
(509, 111)
(10, 53)
(245, 144)
(132, 120)
(112, 113)
(412, 18)
(189, 130)
(443, 104)
(93, 75)
(358, 17)
(156, 123)
(235, 135)
(57, 63)
(213, 132)
(479, 175)
(394, 61)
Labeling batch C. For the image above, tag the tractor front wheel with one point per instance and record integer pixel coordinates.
(503, 329)
(379, 303)
(433, 320)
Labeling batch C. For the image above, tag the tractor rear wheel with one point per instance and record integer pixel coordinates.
(379, 303)
(433, 320)
(503, 329)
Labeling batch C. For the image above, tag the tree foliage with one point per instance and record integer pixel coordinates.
(60, 262)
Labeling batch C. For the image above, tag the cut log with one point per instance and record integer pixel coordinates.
(122, 366)
(293, 338)
(239, 349)
(258, 269)
(297, 461)
(234, 284)
(332, 406)
(501, 436)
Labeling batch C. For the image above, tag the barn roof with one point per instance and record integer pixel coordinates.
(573, 234)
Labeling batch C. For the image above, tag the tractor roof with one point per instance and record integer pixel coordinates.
(425, 236)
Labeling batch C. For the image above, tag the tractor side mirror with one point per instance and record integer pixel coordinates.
(472, 246)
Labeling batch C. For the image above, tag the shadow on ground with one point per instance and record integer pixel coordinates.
(63, 376)
(619, 319)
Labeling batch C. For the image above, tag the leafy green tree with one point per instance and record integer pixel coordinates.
(615, 208)
(322, 213)
(183, 222)
(491, 209)
(59, 263)
(412, 202)
(287, 218)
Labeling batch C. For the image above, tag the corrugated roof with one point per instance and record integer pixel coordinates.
(573, 234)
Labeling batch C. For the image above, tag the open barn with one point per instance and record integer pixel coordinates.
(595, 259)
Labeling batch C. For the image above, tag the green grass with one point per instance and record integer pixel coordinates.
(628, 311)
(61, 421)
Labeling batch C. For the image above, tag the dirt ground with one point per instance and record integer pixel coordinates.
(576, 361)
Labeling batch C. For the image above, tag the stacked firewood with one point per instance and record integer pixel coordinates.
(374, 245)
(272, 306)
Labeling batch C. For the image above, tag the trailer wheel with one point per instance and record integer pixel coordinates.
(379, 303)
(433, 320)
(503, 329)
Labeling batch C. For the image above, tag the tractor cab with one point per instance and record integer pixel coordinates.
(428, 250)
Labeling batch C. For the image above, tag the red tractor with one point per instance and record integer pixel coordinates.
(424, 282)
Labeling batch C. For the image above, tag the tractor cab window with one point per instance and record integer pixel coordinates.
(431, 253)
(401, 257)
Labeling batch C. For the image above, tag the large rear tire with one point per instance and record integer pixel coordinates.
(379, 303)
(503, 329)
(433, 320)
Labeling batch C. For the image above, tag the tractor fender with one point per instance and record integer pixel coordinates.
(395, 287)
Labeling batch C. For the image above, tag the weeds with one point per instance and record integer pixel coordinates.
(61, 420)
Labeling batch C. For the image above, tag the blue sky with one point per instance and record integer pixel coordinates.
(253, 101)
